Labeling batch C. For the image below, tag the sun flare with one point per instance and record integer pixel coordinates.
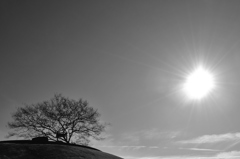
(199, 84)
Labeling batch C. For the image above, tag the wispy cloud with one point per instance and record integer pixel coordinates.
(215, 138)
(119, 145)
(132, 157)
(153, 147)
(127, 141)
(199, 149)
(223, 155)
(231, 154)
(149, 138)
(125, 147)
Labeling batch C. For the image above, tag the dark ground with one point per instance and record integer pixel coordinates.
(25, 149)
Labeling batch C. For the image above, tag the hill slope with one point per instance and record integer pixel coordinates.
(28, 150)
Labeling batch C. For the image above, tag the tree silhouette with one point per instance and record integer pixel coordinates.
(59, 115)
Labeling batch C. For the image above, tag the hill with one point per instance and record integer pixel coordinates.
(26, 149)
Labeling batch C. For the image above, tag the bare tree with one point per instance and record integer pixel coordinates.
(60, 115)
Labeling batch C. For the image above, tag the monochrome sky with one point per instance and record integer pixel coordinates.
(129, 59)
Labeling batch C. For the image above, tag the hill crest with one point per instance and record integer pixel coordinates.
(26, 149)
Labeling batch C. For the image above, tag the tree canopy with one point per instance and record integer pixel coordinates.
(59, 115)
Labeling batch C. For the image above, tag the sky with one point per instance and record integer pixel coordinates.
(129, 60)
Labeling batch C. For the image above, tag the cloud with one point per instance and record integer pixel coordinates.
(161, 157)
(127, 141)
(125, 147)
(131, 157)
(132, 147)
(231, 154)
(212, 138)
(136, 138)
(153, 147)
(226, 155)
(199, 149)
(221, 155)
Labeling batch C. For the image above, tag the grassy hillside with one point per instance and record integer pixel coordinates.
(50, 150)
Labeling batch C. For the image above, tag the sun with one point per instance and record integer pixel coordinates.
(199, 84)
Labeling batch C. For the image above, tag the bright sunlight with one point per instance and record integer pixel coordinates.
(199, 84)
